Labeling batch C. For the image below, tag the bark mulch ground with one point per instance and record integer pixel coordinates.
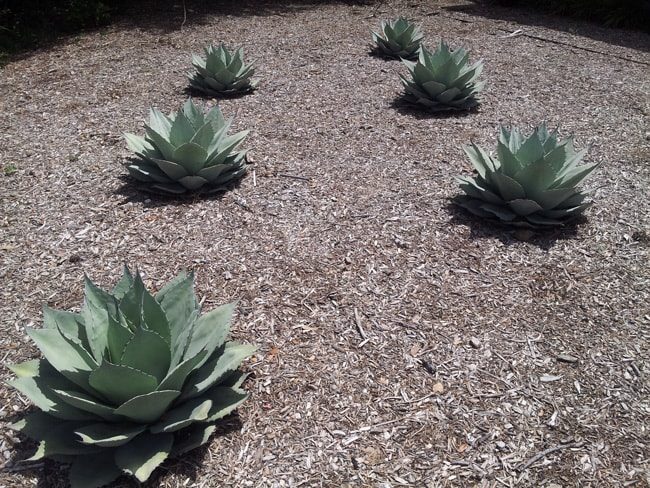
(402, 343)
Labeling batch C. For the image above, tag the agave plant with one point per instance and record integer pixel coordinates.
(186, 151)
(531, 182)
(129, 381)
(222, 72)
(443, 80)
(398, 38)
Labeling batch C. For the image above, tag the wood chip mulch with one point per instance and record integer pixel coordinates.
(402, 343)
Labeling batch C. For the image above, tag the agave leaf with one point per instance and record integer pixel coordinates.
(510, 165)
(472, 188)
(149, 353)
(224, 402)
(434, 89)
(180, 342)
(147, 173)
(215, 117)
(162, 145)
(175, 171)
(118, 336)
(121, 383)
(148, 407)
(448, 95)
(204, 135)
(566, 213)
(67, 357)
(193, 115)
(131, 303)
(144, 454)
(550, 199)
(178, 301)
(501, 212)
(530, 151)
(177, 376)
(225, 147)
(28, 369)
(108, 434)
(559, 155)
(193, 182)
(87, 403)
(187, 413)
(191, 156)
(216, 368)
(159, 123)
(524, 206)
(93, 471)
(122, 286)
(181, 131)
(68, 323)
(509, 189)
(472, 205)
(137, 144)
(234, 379)
(575, 175)
(193, 437)
(211, 173)
(154, 318)
(480, 159)
(422, 75)
(536, 176)
(55, 438)
(38, 388)
(97, 320)
(210, 331)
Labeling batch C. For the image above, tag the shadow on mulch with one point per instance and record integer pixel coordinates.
(164, 16)
(633, 39)
(133, 192)
(50, 473)
(190, 91)
(379, 54)
(406, 108)
(481, 229)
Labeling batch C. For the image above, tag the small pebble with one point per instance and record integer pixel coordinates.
(474, 342)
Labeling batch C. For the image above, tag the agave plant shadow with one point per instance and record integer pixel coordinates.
(375, 52)
(404, 107)
(132, 192)
(508, 235)
(190, 91)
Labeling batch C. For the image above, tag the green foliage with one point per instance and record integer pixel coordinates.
(615, 13)
(398, 39)
(530, 183)
(131, 380)
(186, 151)
(222, 73)
(443, 80)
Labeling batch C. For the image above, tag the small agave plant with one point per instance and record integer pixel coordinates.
(186, 151)
(398, 39)
(530, 183)
(129, 381)
(222, 73)
(443, 80)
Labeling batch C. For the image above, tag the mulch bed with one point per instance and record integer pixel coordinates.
(402, 342)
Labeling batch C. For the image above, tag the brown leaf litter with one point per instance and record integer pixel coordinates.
(401, 343)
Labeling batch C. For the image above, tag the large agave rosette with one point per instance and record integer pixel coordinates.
(131, 380)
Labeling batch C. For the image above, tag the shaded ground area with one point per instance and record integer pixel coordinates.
(401, 342)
